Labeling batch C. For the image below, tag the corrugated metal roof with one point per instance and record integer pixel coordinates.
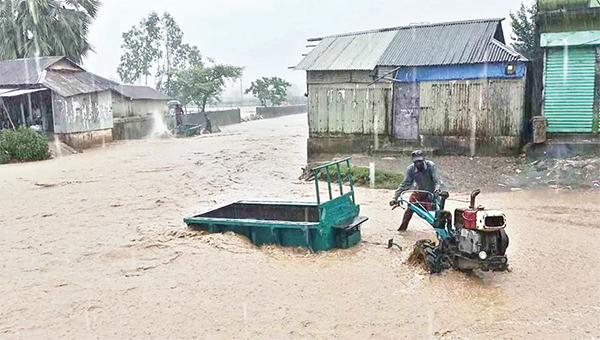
(38, 71)
(24, 71)
(498, 52)
(452, 43)
(441, 44)
(20, 92)
(69, 83)
(141, 92)
(356, 52)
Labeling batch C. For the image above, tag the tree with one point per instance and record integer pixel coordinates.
(185, 56)
(172, 42)
(46, 28)
(199, 84)
(527, 42)
(272, 89)
(155, 47)
(525, 34)
(142, 45)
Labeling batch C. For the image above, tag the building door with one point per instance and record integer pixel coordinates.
(569, 81)
(406, 111)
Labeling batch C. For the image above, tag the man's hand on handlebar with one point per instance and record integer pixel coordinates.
(437, 191)
(394, 202)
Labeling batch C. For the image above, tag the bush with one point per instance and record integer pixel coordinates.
(4, 157)
(383, 179)
(22, 145)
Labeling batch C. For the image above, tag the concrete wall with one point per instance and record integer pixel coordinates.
(132, 127)
(220, 118)
(83, 140)
(81, 113)
(279, 111)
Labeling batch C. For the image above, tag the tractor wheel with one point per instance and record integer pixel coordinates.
(425, 252)
(504, 241)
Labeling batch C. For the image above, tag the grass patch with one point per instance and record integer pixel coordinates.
(384, 179)
(22, 145)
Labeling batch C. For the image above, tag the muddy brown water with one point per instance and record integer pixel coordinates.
(93, 247)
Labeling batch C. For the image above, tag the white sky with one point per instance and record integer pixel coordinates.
(268, 36)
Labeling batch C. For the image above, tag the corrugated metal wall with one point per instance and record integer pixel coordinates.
(84, 112)
(341, 102)
(349, 109)
(569, 83)
(494, 107)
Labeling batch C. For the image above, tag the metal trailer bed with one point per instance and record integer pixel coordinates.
(324, 225)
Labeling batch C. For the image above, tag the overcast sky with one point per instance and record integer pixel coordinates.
(268, 36)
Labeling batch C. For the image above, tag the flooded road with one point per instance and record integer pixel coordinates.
(93, 247)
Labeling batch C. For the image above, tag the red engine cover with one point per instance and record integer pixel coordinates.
(470, 217)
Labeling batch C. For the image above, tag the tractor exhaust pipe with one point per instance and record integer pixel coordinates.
(473, 196)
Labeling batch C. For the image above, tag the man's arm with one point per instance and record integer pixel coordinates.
(408, 182)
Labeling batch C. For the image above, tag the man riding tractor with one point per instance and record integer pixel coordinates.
(424, 175)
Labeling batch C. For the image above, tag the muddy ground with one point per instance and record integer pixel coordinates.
(93, 247)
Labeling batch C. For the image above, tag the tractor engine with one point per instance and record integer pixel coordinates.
(480, 234)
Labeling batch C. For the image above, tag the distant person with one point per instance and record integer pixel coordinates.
(424, 175)
(36, 115)
(178, 115)
(208, 124)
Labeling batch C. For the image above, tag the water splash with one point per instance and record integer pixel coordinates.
(159, 127)
(57, 146)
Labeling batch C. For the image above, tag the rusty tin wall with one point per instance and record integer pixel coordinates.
(84, 112)
(490, 107)
(343, 103)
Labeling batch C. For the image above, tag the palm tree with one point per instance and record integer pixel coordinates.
(38, 28)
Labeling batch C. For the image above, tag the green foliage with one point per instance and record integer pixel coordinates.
(200, 84)
(557, 4)
(383, 179)
(22, 145)
(142, 49)
(525, 33)
(527, 42)
(272, 89)
(4, 157)
(155, 47)
(38, 28)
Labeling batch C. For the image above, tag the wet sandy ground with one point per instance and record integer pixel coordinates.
(93, 247)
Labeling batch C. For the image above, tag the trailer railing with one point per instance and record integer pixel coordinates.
(340, 179)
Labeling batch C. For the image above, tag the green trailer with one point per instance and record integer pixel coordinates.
(322, 225)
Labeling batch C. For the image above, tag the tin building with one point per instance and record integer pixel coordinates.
(58, 95)
(570, 37)
(454, 87)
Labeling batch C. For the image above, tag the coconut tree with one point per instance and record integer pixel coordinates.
(38, 28)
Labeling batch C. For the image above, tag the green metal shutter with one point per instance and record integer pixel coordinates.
(569, 89)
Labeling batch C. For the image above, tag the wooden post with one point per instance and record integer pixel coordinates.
(23, 123)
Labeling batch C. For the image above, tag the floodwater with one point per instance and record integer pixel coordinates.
(93, 247)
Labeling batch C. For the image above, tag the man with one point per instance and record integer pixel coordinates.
(208, 124)
(425, 176)
(178, 115)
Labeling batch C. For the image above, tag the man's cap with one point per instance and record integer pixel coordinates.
(418, 155)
